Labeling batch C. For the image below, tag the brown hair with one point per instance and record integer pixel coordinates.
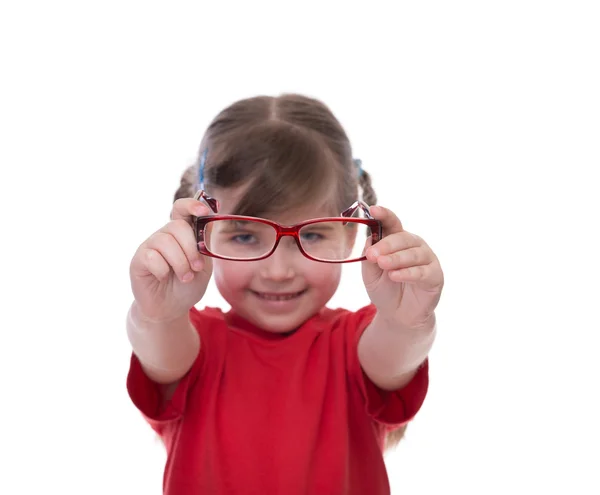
(288, 149)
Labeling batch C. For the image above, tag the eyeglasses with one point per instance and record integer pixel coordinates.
(243, 238)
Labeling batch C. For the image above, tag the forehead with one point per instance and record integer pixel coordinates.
(312, 208)
(298, 215)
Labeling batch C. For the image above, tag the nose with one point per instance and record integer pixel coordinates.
(280, 266)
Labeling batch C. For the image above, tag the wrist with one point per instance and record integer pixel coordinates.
(396, 324)
(139, 320)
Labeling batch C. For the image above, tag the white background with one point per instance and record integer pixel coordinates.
(480, 122)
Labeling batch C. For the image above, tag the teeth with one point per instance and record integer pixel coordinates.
(270, 297)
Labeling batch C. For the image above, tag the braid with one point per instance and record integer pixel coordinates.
(394, 437)
(187, 184)
(368, 194)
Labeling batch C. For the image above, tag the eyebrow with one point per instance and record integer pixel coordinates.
(237, 224)
(319, 226)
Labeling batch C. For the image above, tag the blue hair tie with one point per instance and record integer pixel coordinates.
(201, 169)
(358, 165)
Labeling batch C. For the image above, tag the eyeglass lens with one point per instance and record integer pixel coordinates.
(325, 241)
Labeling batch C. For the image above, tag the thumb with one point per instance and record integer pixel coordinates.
(371, 272)
(208, 266)
(390, 223)
(205, 271)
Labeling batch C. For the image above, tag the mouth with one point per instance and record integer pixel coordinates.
(278, 296)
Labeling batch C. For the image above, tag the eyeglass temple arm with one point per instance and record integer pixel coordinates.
(212, 203)
(348, 212)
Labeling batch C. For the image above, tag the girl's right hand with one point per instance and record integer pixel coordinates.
(168, 274)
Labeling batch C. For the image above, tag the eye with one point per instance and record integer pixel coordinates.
(243, 238)
(311, 236)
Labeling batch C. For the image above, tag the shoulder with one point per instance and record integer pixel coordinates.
(344, 319)
(206, 316)
(211, 325)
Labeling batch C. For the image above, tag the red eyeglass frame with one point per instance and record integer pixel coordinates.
(200, 223)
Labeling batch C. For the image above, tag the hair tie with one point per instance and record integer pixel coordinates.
(201, 169)
(358, 165)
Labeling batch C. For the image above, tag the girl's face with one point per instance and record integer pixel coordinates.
(281, 292)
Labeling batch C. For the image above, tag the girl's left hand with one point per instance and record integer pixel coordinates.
(403, 276)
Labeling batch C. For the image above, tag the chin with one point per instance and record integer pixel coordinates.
(278, 316)
(279, 323)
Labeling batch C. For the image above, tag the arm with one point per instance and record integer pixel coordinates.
(164, 341)
(166, 349)
(390, 354)
(404, 280)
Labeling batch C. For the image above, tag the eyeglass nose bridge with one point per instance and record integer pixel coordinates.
(289, 231)
(283, 231)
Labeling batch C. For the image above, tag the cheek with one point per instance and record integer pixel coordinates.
(350, 239)
(230, 276)
(324, 275)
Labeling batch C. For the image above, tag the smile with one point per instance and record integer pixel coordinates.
(270, 296)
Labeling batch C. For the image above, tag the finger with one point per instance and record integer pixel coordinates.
(185, 236)
(389, 221)
(149, 261)
(393, 243)
(410, 274)
(172, 252)
(429, 275)
(156, 264)
(186, 208)
(405, 259)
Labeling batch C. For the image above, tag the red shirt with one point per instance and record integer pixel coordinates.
(261, 413)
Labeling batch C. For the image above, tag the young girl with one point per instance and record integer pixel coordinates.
(279, 395)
